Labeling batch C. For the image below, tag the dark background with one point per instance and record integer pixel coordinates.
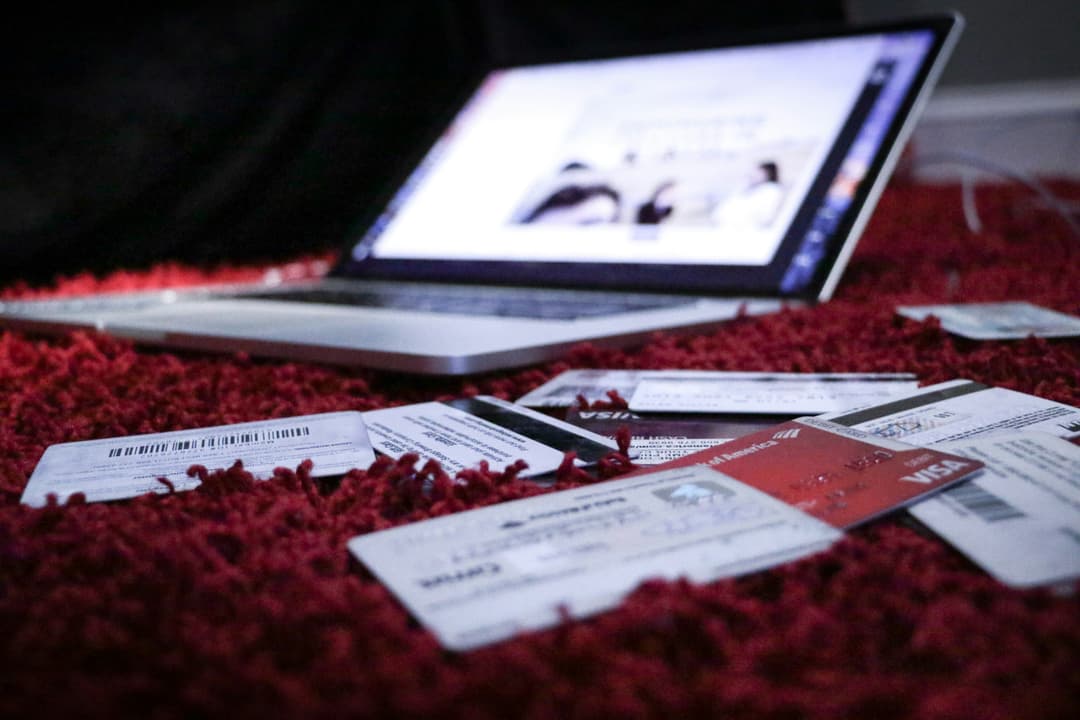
(254, 131)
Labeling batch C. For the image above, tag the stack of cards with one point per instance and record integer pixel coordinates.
(738, 488)
(767, 498)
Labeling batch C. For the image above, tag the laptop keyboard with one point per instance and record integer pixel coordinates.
(492, 301)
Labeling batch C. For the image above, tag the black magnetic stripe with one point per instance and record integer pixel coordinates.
(533, 428)
(909, 403)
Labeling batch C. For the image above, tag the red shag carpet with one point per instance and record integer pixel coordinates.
(239, 598)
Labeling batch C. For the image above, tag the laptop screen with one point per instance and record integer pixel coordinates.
(737, 169)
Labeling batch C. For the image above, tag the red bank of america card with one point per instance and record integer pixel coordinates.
(840, 475)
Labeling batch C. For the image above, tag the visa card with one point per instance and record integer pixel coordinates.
(838, 474)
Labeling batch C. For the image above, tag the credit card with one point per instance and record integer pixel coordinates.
(843, 476)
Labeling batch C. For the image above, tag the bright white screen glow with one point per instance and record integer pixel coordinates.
(699, 125)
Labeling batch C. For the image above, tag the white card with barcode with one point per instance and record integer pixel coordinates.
(480, 576)
(1020, 519)
(124, 467)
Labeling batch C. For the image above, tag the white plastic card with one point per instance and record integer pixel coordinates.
(124, 467)
(717, 391)
(461, 433)
(997, 321)
(1020, 519)
(961, 410)
(779, 393)
(483, 575)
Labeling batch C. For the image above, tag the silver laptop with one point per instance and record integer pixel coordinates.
(593, 200)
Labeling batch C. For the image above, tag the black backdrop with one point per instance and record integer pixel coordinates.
(252, 130)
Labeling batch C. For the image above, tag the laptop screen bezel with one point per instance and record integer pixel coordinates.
(723, 280)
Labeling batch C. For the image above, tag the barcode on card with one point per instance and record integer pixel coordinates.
(984, 504)
(211, 442)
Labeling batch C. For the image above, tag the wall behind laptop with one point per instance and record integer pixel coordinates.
(1008, 103)
(243, 130)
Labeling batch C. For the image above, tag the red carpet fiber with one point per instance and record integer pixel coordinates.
(240, 600)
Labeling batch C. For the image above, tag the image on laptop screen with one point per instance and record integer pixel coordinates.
(733, 166)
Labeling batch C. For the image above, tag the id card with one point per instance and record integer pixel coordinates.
(1020, 519)
(997, 321)
(461, 433)
(484, 575)
(124, 467)
(842, 476)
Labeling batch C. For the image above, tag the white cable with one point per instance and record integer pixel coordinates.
(970, 213)
(967, 199)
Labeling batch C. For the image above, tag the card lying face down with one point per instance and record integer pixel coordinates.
(838, 474)
(460, 433)
(483, 575)
(125, 467)
(1020, 519)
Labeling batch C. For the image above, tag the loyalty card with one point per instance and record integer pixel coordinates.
(461, 433)
(483, 575)
(997, 321)
(656, 439)
(1020, 519)
(124, 467)
(959, 410)
(842, 476)
(782, 393)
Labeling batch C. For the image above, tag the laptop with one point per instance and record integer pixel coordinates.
(599, 200)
